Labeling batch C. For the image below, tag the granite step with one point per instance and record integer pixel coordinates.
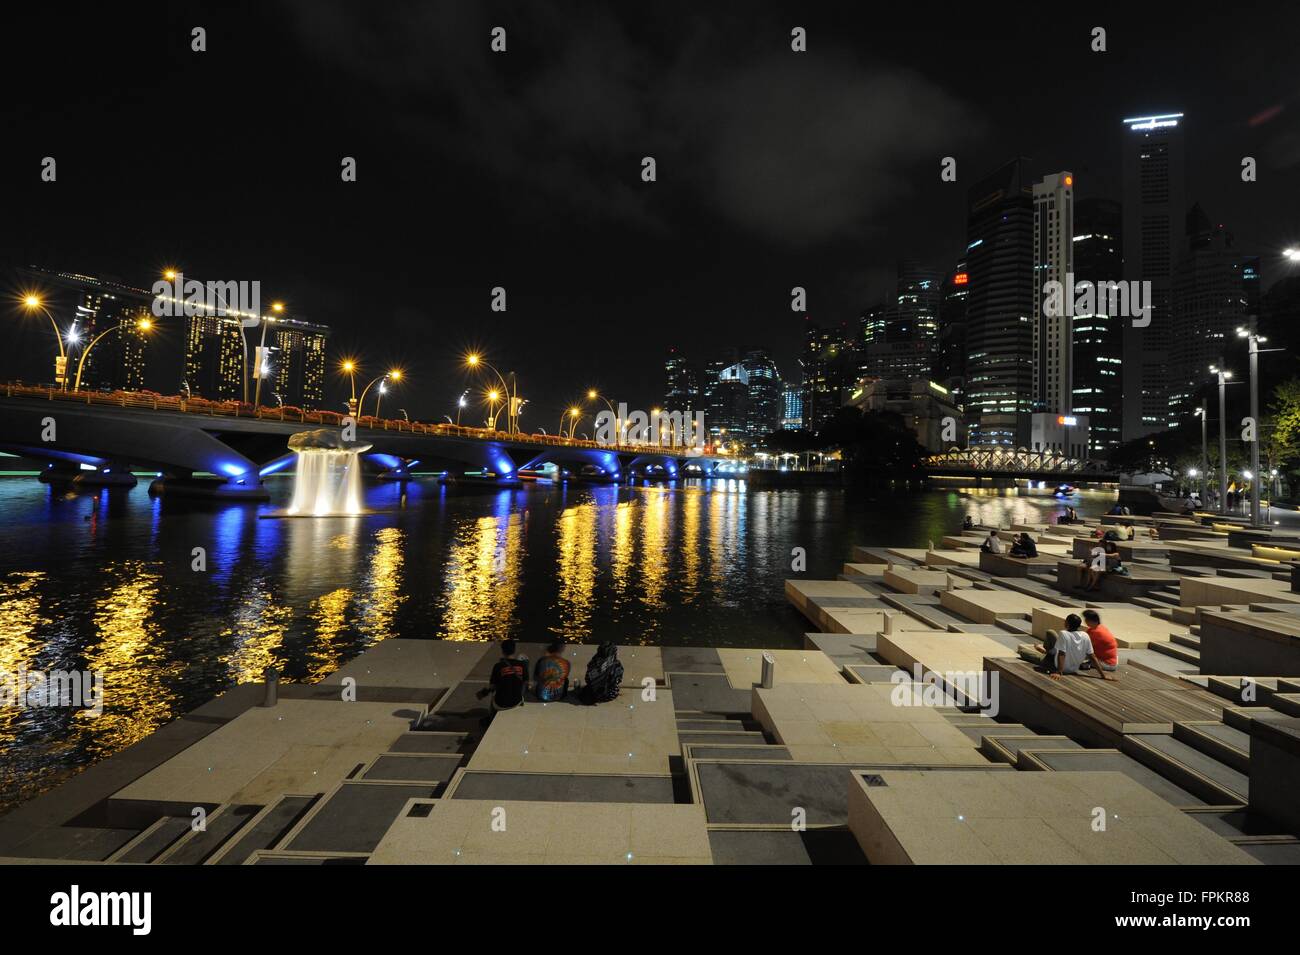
(196, 847)
(1215, 782)
(1220, 741)
(1177, 651)
(1187, 640)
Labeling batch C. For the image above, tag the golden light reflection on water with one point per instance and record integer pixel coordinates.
(139, 676)
(481, 579)
(20, 618)
(257, 630)
(576, 566)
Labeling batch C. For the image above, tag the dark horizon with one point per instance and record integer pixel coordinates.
(522, 169)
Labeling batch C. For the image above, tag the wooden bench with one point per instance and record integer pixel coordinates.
(1133, 699)
(1004, 565)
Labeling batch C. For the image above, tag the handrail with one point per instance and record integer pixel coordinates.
(236, 409)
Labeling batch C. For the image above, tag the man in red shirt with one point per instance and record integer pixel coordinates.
(1104, 646)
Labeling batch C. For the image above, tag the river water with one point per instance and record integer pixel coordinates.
(176, 601)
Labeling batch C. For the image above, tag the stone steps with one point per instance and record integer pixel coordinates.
(1220, 741)
(1176, 650)
(1191, 768)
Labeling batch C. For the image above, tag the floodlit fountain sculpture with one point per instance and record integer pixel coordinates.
(327, 482)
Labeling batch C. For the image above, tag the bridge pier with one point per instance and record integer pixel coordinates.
(209, 488)
(74, 475)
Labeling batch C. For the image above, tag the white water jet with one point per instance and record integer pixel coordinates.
(327, 482)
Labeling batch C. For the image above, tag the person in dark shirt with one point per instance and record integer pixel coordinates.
(551, 674)
(509, 679)
(604, 676)
(1024, 546)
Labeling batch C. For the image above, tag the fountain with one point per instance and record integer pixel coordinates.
(327, 482)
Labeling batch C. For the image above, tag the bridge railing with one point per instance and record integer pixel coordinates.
(238, 409)
(1012, 460)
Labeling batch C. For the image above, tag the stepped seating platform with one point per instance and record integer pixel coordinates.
(1114, 761)
(1132, 628)
(843, 649)
(1250, 643)
(858, 723)
(902, 817)
(1199, 591)
(1072, 577)
(922, 558)
(988, 606)
(879, 555)
(472, 831)
(909, 581)
(764, 794)
(1132, 700)
(1004, 565)
(567, 787)
(1215, 782)
(954, 660)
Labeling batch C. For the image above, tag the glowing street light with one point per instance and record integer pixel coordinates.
(394, 375)
(33, 302)
(474, 360)
(349, 368)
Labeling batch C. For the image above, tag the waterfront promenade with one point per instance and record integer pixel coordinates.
(912, 728)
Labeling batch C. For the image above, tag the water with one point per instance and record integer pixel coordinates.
(108, 582)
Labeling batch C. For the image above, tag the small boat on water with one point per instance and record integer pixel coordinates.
(1062, 490)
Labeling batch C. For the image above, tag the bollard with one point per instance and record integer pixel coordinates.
(949, 583)
(769, 670)
(271, 676)
(889, 622)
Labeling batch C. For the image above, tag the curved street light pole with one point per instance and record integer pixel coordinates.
(33, 302)
(474, 361)
(366, 390)
(81, 363)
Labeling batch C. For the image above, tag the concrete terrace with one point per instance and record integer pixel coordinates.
(912, 728)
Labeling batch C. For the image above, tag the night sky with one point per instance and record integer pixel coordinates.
(522, 169)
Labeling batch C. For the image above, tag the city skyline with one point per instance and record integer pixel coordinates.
(418, 253)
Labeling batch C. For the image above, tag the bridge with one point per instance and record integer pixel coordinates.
(225, 449)
(1047, 465)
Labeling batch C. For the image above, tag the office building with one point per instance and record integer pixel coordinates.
(297, 363)
(1054, 285)
(926, 408)
(214, 358)
(1154, 205)
(1098, 335)
(1000, 307)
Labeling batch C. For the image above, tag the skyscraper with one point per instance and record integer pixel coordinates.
(898, 340)
(1098, 336)
(298, 363)
(1153, 223)
(1212, 285)
(1053, 263)
(214, 358)
(950, 355)
(829, 364)
(1000, 308)
(791, 407)
(763, 406)
(681, 383)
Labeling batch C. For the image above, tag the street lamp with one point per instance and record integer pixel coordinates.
(143, 325)
(492, 397)
(459, 405)
(573, 414)
(473, 361)
(1224, 377)
(1251, 334)
(260, 367)
(395, 375)
(592, 395)
(31, 302)
(349, 368)
(1203, 413)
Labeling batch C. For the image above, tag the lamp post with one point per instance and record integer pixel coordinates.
(593, 394)
(473, 361)
(492, 397)
(459, 405)
(1251, 334)
(350, 369)
(61, 361)
(259, 354)
(1204, 413)
(395, 375)
(144, 325)
(1224, 376)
